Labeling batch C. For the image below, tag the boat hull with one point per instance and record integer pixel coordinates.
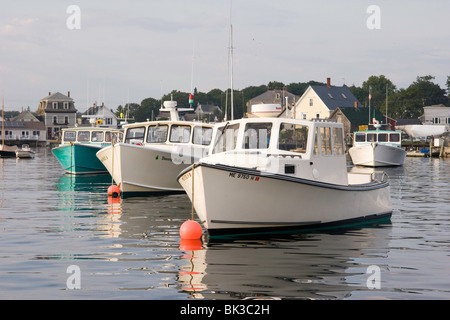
(141, 170)
(377, 155)
(258, 202)
(79, 158)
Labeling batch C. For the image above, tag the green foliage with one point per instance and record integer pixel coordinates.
(401, 103)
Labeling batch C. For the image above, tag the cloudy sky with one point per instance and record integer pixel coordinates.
(125, 51)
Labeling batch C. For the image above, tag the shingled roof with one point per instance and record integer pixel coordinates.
(334, 97)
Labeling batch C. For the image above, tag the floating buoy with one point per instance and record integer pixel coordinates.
(190, 244)
(190, 230)
(113, 191)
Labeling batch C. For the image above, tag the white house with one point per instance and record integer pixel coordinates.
(104, 116)
(24, 129)
(58, 111)
(319, 101)
(436, 114)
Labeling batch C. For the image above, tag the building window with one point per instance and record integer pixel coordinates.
(436, 120)
(344, 96)
(55, 120)
(66, 105)
(66, 120)
(311, 103)
(331, 97)
(55, 105)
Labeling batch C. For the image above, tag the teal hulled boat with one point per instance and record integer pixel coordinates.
(78, 148)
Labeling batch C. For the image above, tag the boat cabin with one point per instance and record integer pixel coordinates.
(301, 148)
(377, 136)
(168, 132)
(90, 135)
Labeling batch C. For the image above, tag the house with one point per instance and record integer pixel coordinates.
(319, 101)
(208, 110)
(436, 114)
(356, 119)
(24, 129)
(272, 97)
(58, 112)
(100, 115)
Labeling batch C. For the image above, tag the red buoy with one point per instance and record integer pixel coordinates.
(190, 230)
(113, 191)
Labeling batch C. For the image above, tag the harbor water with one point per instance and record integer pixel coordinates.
(61, 238)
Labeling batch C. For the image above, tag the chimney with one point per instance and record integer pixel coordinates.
(49, 93)
(328, 82)
(68, 94)
(356, 104)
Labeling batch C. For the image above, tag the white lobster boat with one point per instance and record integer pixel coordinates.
(276, 174)
(377, 148)
(154, 152)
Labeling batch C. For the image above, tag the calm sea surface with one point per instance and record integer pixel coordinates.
(58, 233)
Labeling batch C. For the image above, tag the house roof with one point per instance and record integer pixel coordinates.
(334, 97)
(360, 115)
(57, 96)
(274, 96)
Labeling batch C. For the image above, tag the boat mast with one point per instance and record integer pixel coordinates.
(370, 98)
(230, 66)
(3, 119)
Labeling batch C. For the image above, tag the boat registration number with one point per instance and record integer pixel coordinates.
(243, 176)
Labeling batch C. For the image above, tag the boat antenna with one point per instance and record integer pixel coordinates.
(3, 118)
(230, 71)
(370, 98)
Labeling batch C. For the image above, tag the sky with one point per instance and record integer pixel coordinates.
(126, 51)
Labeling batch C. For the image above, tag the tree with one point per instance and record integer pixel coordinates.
(377, 86)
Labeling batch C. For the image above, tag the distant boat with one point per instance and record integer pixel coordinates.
(280, 174)
(25, 152)
(152, 153)
(6, 151)
(377, 148)
(78, 148)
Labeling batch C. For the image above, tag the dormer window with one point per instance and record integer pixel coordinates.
(66, 105)
(344, 96)
(331, 97)
(55, 105)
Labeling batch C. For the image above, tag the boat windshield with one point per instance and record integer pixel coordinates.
(394, 137)
(70, 136)
(83, 136)
(226, 138)
(180, 133)
(202, 135)
(97, 136)
(293, 137)
(360, 137)
(257, 135)
(135, 135)
(157, 133)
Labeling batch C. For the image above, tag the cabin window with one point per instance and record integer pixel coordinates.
(325, 139)
(180, 133)
(316, 142)
(83, 136)
(382, 137)
(360, 137)
(257, 135)
(157, 134)
(394, 137)
(371, 137)
(338, 141)
(97, 136)
(202, 135)
(293, 137)
(226, 138)
(135, 135)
